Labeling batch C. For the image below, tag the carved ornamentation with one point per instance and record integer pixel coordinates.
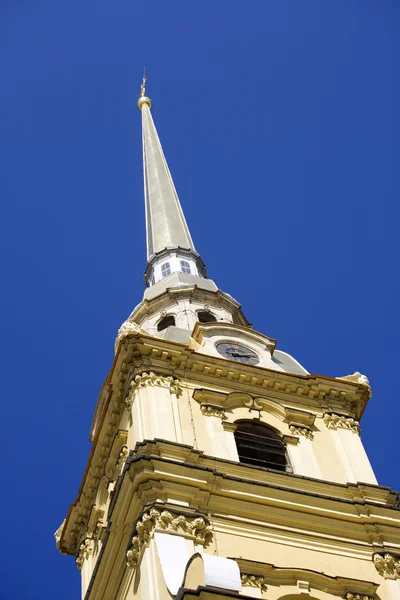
(210, 410)
(127, 328)
(355, 596)
(333, 421)
(387, 565)
(123, 455)
(356, 377)
(151, 379)
(85, 550)
(254, 581)
(299, 430)
(193, 528)
(58, 534)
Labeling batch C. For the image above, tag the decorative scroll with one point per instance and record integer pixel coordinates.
(85, 550)
(333, 421)
(151, 379)
(194, 528)
(354, 596)
(387, 565)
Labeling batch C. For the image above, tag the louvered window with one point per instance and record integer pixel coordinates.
(259, 445)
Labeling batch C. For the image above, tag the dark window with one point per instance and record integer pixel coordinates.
(166, 322)
(185, 267)
(259, 445)
(165, 270)
(204, 316)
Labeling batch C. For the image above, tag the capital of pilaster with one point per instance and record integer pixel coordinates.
(299, 430)
(152, 380)
(191, 527)
(85, 550)
(387, 565)
(211, 410)
(356, 596)
(333, 421)
(254, 581)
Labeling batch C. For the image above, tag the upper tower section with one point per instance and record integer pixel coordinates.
(170, 247)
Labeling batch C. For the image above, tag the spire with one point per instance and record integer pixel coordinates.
(166, 226)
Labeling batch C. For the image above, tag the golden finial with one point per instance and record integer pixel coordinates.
(143, 99)
(143, 86)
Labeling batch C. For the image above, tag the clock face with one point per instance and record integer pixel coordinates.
(238, 353)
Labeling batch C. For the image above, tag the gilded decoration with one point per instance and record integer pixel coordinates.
(254, 581)
(85, 550)
(151, 379)
(299, 430)
(210, 410)
(194, 528)
(333, 421)
(387, 565)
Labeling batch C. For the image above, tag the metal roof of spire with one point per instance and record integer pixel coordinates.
(165, 222)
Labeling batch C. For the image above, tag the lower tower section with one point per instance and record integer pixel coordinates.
(210, 478)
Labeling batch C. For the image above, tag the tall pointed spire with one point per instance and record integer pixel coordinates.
(165, 222)
(166, 227)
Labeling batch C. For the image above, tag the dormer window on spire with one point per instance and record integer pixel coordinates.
(185, 267)
(165, 270)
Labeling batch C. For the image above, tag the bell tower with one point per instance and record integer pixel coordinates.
(220, 467)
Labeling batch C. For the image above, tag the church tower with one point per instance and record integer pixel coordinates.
(220, 467)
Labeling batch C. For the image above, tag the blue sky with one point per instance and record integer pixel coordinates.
(280, 122)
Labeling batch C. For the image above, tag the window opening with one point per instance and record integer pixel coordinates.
(259, 445)
(166, 322)
(204, 316)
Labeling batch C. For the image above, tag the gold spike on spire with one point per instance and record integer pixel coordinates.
(143, 85)
(143, 99)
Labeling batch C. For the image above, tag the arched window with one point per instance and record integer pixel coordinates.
(259, 445)
(166, 322)
(185, 267)
(204, 316)
(165, 270)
